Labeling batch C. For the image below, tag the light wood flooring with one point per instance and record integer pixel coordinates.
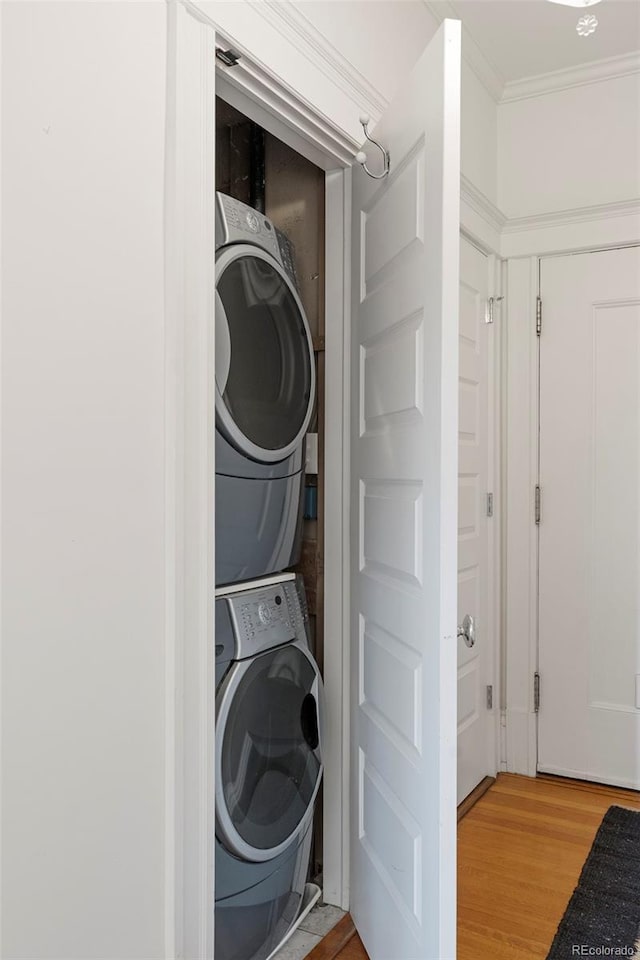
(520, 852)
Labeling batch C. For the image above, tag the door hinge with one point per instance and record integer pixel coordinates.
(489, 316)
(536, 692)
(489, 696)
(538, 315)
(537, 504)
(489, 504)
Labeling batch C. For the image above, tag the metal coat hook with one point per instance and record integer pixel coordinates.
(361, 157)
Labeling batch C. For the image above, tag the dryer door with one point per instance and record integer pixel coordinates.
(265, 373)
(268, 751)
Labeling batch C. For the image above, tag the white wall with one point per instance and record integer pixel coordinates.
(571, 148)
(83, 486)
(479, 135)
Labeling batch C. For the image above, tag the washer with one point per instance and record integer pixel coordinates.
(265, 392)
(268, 763)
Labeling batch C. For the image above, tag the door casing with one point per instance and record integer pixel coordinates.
(276, 107)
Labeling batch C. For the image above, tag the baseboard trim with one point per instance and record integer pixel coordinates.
(331, 945)
(580, 783)
(474, 796)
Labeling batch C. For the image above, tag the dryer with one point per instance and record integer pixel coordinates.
(268, 764)
(265, 392)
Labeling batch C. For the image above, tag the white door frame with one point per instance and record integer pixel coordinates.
(558, 235)
(194, 78)
(189, 493)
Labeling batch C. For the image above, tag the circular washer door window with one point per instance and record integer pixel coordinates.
(267, 752)
(264, 355)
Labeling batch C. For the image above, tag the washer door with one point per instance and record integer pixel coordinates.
(268, 751)
(265, 373)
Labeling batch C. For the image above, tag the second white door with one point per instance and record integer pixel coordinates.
(476, 758)
(589, 612)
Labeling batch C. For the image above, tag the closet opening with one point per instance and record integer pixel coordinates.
(260, 170)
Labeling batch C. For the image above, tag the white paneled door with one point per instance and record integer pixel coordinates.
(475, 662)
(589, 613)
(404, 520)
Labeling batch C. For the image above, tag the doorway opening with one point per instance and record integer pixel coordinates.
(260, 170)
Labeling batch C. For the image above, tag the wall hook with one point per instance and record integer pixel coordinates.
(361, 157)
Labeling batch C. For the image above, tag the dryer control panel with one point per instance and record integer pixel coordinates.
(238, 223)
(267, 617)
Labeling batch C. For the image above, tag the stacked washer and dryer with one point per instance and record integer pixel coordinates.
(268, 762)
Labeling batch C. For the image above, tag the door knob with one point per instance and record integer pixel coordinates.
(468, 630)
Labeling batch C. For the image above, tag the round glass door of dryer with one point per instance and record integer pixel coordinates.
(265, 372)
(268, 752)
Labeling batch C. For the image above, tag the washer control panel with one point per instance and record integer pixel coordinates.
(238, 223)
(267, 617)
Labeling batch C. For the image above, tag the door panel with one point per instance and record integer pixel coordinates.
(589, 605)
(475, 733)
(404, 508)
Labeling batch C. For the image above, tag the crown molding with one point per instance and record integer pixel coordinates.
(583, 228)
(290, 21)
(594, 72)
(602, 211)
(486, 73)
(481, 204)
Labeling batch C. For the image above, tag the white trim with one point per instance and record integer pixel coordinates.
(596, 71)
(279, 108)
(336, 574)
(1, 515)
(290, 21)
(522, 743)
(586, 775)
(190, 474)
(173, 556)
(282, 112)
(506, 91)
(583, 228)
(544, 221)
(480, 219)
(494, 480)
(479, 202)
(521, 476)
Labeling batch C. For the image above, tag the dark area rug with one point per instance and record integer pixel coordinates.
(603, 915)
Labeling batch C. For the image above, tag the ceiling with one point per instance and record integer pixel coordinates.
(527, 38)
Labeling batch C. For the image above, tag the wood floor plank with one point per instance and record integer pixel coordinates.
(354, 950)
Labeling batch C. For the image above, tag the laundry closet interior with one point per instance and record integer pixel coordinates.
(258, 326)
